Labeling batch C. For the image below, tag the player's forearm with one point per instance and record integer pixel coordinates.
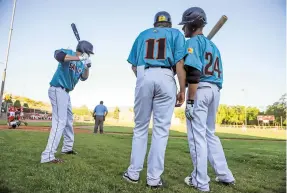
(192, 88)
(71, 58)
(86, 73)
(181, 75)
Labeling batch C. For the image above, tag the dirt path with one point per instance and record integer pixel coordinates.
(79, 129)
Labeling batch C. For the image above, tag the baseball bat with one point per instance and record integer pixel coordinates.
(217, 27)
(75, 30)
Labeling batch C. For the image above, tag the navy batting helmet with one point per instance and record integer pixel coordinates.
(162, 17)
(85, 47)
(195, 16)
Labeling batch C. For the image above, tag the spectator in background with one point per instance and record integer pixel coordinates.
(100, 112)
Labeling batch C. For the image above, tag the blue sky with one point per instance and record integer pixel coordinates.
(252, 45)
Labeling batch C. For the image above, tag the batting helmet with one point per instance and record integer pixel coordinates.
(162, 17)
(194, 16)
(85, 47)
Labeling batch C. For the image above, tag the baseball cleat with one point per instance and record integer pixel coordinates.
(128, 179)
(160, 184)
(72, 152)
(232, 183)
(188, 181)
(56, 161)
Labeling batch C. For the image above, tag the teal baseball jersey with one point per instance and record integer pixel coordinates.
(203, 55)
(68, 73)
(158, 47)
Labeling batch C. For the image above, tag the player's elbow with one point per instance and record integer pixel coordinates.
(192, 75)
(60, 56)
(83, 78)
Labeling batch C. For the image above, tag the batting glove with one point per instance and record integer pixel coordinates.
(84, 56)
(88, 63)
(189, 109)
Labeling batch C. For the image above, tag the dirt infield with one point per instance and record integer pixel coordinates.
(43, 129)
(80, 129)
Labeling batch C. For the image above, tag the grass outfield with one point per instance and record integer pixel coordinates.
(258, 166)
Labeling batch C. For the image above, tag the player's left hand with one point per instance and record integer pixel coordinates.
(180, 99)
(189, 109)
(88, 63)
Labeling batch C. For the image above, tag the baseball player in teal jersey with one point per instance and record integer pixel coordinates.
(72, 67)
(204, 75)
(154, 55)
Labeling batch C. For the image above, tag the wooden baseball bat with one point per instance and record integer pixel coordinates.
(217, 27)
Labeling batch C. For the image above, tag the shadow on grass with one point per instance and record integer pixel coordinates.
(4, 188)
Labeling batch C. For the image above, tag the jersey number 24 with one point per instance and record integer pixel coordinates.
(150, 44)
(211, 67)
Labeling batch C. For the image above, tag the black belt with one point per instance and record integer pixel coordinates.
(67, 90)
(168, 67)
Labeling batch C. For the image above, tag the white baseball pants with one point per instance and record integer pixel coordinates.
(62, 124)
(203, 143)
(155, 92)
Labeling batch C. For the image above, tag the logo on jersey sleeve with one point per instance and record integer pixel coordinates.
(190, 50)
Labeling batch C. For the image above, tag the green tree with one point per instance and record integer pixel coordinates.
(17, 104)
(179, 113)
(81, 111)
(26, 105)
(8, 98)
(252, 113)
(116, 113)
(278, 109)
(221, 114)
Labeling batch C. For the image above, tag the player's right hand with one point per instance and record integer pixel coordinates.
(84, 56)
(189, 109)
(180, 97)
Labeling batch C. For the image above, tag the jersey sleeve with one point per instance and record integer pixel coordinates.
(133, 57)
(179, 51)
(192, 54)
(60, 54)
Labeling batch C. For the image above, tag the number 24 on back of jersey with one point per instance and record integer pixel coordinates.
(213, 66)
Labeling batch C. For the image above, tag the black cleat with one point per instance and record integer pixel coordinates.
(72, 152)
(232, 183)
(160, 184)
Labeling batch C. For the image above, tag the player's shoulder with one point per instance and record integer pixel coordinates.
(154, 30)
(68, 51)
(194, 41)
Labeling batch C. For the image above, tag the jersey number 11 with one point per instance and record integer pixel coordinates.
(150, 44)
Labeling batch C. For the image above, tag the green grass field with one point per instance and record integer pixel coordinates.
(258, 166)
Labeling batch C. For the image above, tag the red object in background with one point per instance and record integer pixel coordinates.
(11, 118)
(12, 109)
(265, 118)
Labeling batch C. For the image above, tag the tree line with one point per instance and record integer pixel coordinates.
(227, 114)
(235, 115)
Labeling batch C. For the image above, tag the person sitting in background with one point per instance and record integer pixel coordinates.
(100, 112)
